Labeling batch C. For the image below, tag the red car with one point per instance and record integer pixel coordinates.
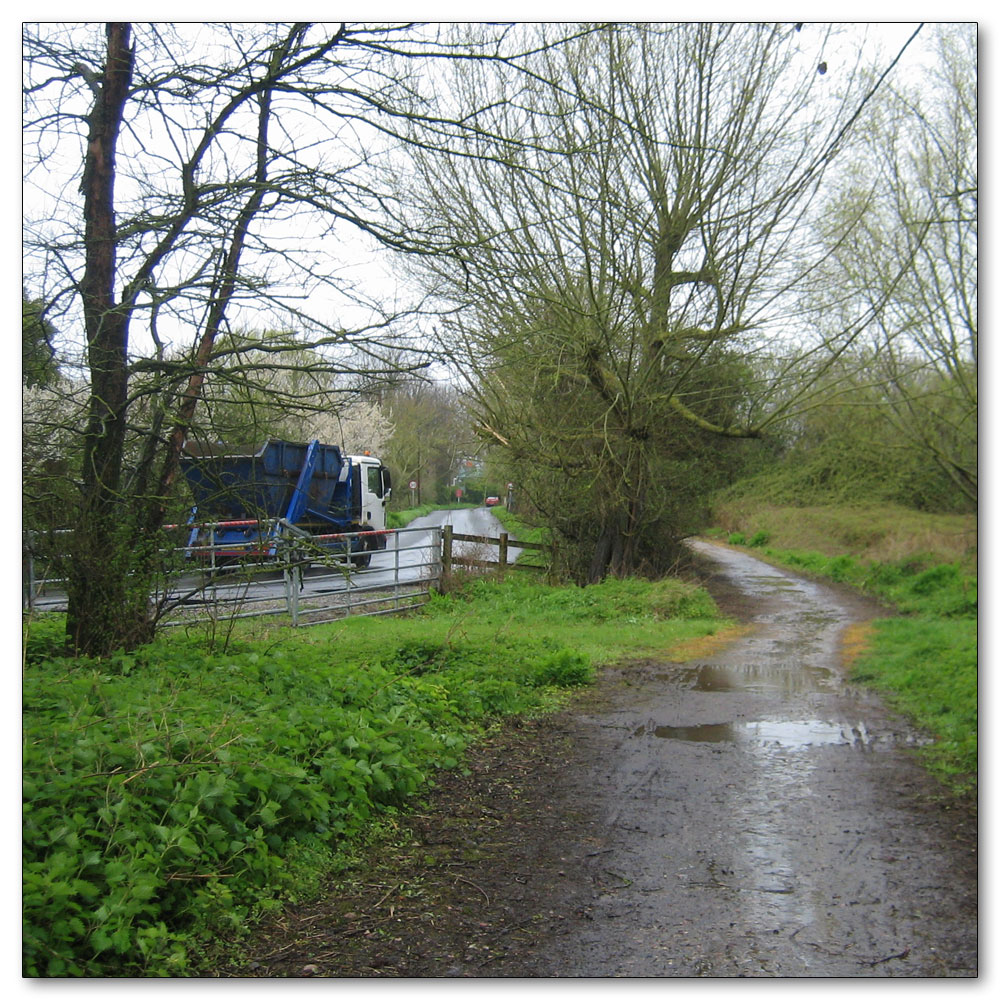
(492, 501)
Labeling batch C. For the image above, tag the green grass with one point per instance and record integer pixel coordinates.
(172, 794)
(927, 669)
(606, 622)
(871, 532)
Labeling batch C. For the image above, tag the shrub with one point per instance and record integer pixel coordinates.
(563, 669)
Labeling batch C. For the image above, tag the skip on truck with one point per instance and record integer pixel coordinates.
(250, 502)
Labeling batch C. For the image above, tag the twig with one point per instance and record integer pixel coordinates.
(387, 895)
(888, 958)
(626, 881)
(462, 878)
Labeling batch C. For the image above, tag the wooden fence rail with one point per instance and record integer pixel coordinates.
(503, 543)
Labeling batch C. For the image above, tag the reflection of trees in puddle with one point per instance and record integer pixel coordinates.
(779, 734)
(786, 734)
(787, 676)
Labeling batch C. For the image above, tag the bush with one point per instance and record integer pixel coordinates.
(563, 669)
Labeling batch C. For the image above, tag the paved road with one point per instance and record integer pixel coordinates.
(407, 554)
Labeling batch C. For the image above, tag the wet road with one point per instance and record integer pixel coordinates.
(410, 552)
(406, 559)
(470, 521)
(753, 815)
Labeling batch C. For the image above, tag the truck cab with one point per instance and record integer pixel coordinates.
(372, 490)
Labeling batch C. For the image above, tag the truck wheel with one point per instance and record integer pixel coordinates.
(369, 544)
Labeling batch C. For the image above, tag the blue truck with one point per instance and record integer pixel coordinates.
(246, 501)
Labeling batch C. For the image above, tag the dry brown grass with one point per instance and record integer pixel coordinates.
(855, 640)
(877, 532)
(705, 645)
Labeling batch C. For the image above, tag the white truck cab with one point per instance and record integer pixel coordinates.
(373, 488)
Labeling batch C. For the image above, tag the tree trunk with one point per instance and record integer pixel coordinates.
(101, 609)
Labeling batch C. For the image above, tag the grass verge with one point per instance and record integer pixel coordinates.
(883, 533)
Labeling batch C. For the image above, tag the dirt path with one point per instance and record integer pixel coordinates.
(744, 813)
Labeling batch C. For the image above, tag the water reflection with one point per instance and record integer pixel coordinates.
(785, 734)
(786, 675)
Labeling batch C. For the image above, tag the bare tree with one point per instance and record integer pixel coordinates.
(195, 177)
(904, 229)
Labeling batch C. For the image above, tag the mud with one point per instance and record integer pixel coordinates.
(744, 813)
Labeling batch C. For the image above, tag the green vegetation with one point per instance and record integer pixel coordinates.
(853, 465)
(927, 667)
(172, 795)
(525, 532)
(871, 532)
(925, 659)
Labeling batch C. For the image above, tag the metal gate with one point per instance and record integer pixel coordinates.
(302, 580)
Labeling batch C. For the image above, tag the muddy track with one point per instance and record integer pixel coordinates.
(745, 812)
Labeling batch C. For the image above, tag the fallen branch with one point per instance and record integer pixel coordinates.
(888, 958)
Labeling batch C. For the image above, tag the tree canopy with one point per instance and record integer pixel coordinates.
(637, 284)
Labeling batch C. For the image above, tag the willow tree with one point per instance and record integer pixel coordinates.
(636, 256)
(185, 179)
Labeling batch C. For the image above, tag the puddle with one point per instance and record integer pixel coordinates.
(775, 581)
(722, 732)
(788, 735)
(767, 676)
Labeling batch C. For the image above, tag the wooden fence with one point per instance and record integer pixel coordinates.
(503, 545)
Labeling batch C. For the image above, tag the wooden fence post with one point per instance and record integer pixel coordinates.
(446, 550)
(502, 558)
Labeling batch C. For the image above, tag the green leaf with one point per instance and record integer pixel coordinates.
(188, 846)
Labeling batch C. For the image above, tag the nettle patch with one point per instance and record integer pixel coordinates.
(169, 793)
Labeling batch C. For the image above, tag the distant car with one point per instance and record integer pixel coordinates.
(492, 501)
